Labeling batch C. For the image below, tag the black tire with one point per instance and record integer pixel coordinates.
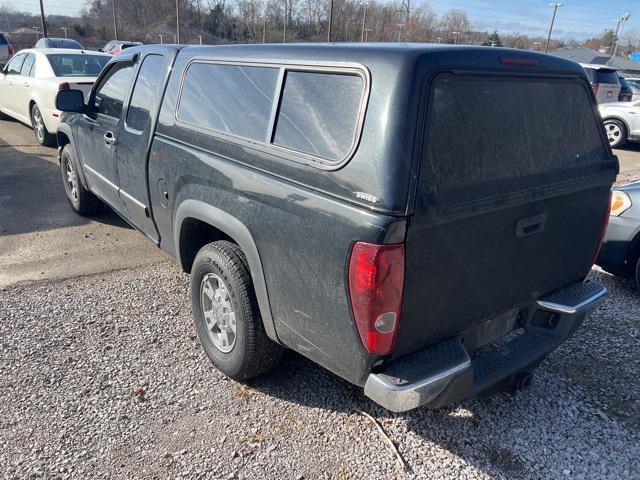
(43, 137)
(636, 276)
(81, 200)
(617, 133)
(252, 352)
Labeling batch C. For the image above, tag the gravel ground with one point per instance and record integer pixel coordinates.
(102, 376)
(628, 176)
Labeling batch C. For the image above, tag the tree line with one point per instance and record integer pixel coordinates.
(270, 21)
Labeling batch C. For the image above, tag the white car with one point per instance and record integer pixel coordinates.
(621, 122)
(31, 80)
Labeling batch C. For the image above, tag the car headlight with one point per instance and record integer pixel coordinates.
(620, 203)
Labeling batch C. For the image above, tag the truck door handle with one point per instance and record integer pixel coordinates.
(9, 82)
(26, 84)
(109, 139)
(531, 225)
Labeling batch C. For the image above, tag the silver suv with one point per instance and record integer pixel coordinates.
(604, 81)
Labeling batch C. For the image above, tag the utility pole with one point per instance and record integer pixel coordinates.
(330, 20)
(406, 10)
(284, 31)
(44, 24)
(614, 47)
(177, 21)
(161, 37)
(65, 31)
(364, 21)
(115, 23)
(200, 38)
(264, 28)
(553, 19)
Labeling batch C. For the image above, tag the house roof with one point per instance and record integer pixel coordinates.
(586, 55)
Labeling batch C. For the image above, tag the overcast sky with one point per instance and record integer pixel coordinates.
(577, 18)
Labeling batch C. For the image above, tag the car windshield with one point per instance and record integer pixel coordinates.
(76, 65)
(3, 40)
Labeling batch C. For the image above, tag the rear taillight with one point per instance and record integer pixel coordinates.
(596, 87)
(603, 232)
(376, 282)
(10, 49)
(64, 86)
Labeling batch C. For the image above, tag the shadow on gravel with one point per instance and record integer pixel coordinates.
(32, 197)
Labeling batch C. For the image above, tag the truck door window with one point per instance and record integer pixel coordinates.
(109, 97)
(146, 92)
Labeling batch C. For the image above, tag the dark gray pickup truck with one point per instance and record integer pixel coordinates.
(418, 219)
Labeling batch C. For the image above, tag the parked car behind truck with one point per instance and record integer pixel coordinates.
(620, 253)
(323, 199)
(604, 82)
(30, 81)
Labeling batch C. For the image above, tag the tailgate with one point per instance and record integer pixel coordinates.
(512, 196)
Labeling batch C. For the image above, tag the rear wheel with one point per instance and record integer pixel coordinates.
(637, 273)
(40, 129)
(616, 133)
(82, 200)
(226, 313)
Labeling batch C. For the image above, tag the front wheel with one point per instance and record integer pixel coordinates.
(226, 313)
(82, 200)
(40, 129)
(616, 133)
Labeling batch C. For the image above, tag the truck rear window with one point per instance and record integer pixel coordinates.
(482, 129)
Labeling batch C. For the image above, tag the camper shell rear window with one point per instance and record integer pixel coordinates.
(508, 128)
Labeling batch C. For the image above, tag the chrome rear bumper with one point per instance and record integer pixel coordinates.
(445, 372)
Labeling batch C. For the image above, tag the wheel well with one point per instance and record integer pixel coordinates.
(633, 253)
(62, 139)
(31, 104)
(619, 120)
(195, 234)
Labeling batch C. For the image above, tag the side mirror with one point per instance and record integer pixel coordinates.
(71, 101)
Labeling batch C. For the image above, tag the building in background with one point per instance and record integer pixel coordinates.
(586, 55)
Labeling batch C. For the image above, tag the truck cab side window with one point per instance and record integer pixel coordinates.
(145, 92)
(109, 97)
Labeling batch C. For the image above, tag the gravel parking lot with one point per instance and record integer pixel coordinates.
(102, 376)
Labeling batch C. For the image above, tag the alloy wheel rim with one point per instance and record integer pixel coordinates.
(39, 125)
(217, 310)
(613, 132)
(72, 182)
